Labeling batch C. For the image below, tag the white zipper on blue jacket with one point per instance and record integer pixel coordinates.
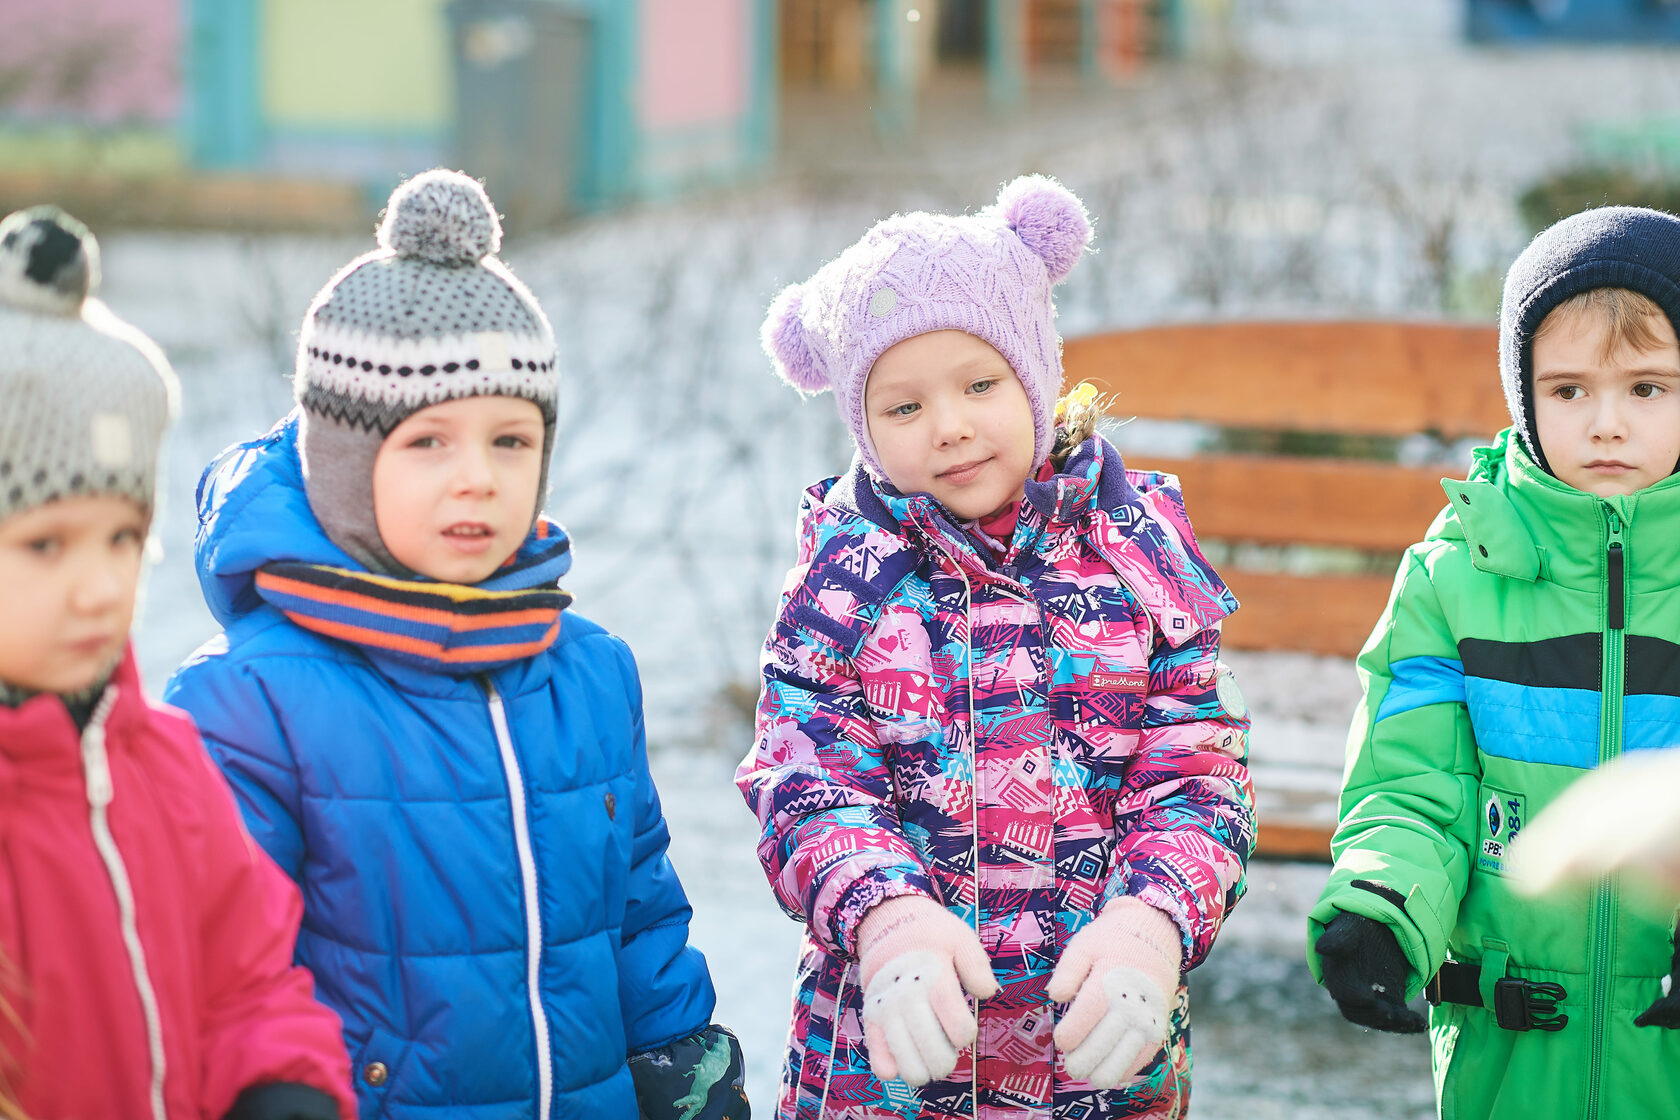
(533, 916)
(96, 768)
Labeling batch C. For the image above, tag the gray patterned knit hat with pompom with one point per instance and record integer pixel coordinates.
(87, 397)
(429, 316)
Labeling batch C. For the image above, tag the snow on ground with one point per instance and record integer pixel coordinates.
(1299, 182)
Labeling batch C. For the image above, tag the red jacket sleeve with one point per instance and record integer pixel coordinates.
(261, 1021)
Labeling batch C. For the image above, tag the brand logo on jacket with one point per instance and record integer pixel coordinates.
(1105, 681)
(1503, 814)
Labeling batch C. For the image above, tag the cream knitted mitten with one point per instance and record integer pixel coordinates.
(1119, 975)
(915, 958)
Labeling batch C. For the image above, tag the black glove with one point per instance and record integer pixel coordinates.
(283, 1100)
(701, 1077)
(1666, 1011)
(1365, 973)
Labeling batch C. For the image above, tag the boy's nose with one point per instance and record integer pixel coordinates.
(474, 474)
(1609, 421)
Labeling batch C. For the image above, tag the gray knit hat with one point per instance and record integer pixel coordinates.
(429, 316)
(86, 397)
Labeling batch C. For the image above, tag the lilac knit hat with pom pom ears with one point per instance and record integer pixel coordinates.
(989, 274)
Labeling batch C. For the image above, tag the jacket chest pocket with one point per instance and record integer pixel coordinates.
(904, 696)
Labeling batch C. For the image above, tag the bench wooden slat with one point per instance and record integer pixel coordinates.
(1315, 614)
(1360, 379)
(1390, 379)
(1293, 840)
(1352, 503)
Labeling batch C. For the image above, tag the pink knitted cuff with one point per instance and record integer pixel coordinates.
(1147, 940)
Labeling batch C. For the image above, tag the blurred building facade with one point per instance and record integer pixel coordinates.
(597, 100)
(602, 100)
(567, 105)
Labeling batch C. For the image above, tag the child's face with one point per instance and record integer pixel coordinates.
(948, 417)
(69, 571)
(1607, 425)
(455, 486)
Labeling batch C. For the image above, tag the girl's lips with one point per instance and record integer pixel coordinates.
(965, 473)
(87, 647)
(1610, 466)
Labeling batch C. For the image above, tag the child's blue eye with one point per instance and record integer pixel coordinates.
(904, 409)
(513, 441)
(984, 386)
(423, 441)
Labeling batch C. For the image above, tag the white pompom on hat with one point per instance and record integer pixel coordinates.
(989, 274)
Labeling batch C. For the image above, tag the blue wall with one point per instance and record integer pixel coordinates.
(1581, 21)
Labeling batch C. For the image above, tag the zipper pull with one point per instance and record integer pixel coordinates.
(1617, 602)
(1615, 595)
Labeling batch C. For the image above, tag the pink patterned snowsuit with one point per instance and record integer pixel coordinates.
(1020, 740)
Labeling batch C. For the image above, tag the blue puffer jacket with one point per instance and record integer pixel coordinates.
(389, 795)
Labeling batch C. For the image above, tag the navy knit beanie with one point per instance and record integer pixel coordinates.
(1610, 247)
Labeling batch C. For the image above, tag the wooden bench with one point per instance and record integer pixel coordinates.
(1340, 379)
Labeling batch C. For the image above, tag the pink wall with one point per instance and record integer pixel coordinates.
(110, 61)
(695, 57)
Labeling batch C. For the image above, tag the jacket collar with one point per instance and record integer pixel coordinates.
(41, 745)
(1136, 519)
(1522, 523)
(1059, 501)
(253, 511)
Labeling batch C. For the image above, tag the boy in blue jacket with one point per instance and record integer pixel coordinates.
(450, 765)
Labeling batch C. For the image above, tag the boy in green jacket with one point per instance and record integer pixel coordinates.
(1533, 635)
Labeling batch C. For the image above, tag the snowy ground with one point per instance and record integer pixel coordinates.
(1302, 180)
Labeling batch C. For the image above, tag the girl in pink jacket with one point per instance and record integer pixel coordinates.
(999, 768)
(145, 942)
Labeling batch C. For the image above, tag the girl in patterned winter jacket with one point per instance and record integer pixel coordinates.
(996, 750)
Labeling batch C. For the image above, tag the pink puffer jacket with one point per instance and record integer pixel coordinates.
(148, 939)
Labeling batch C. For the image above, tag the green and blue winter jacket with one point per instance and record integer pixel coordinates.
(1533, 635)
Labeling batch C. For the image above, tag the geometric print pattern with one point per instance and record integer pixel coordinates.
(1021, 739)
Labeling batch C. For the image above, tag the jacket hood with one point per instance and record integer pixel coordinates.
(252, 510)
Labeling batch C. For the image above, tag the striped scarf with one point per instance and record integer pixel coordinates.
(440, 627)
